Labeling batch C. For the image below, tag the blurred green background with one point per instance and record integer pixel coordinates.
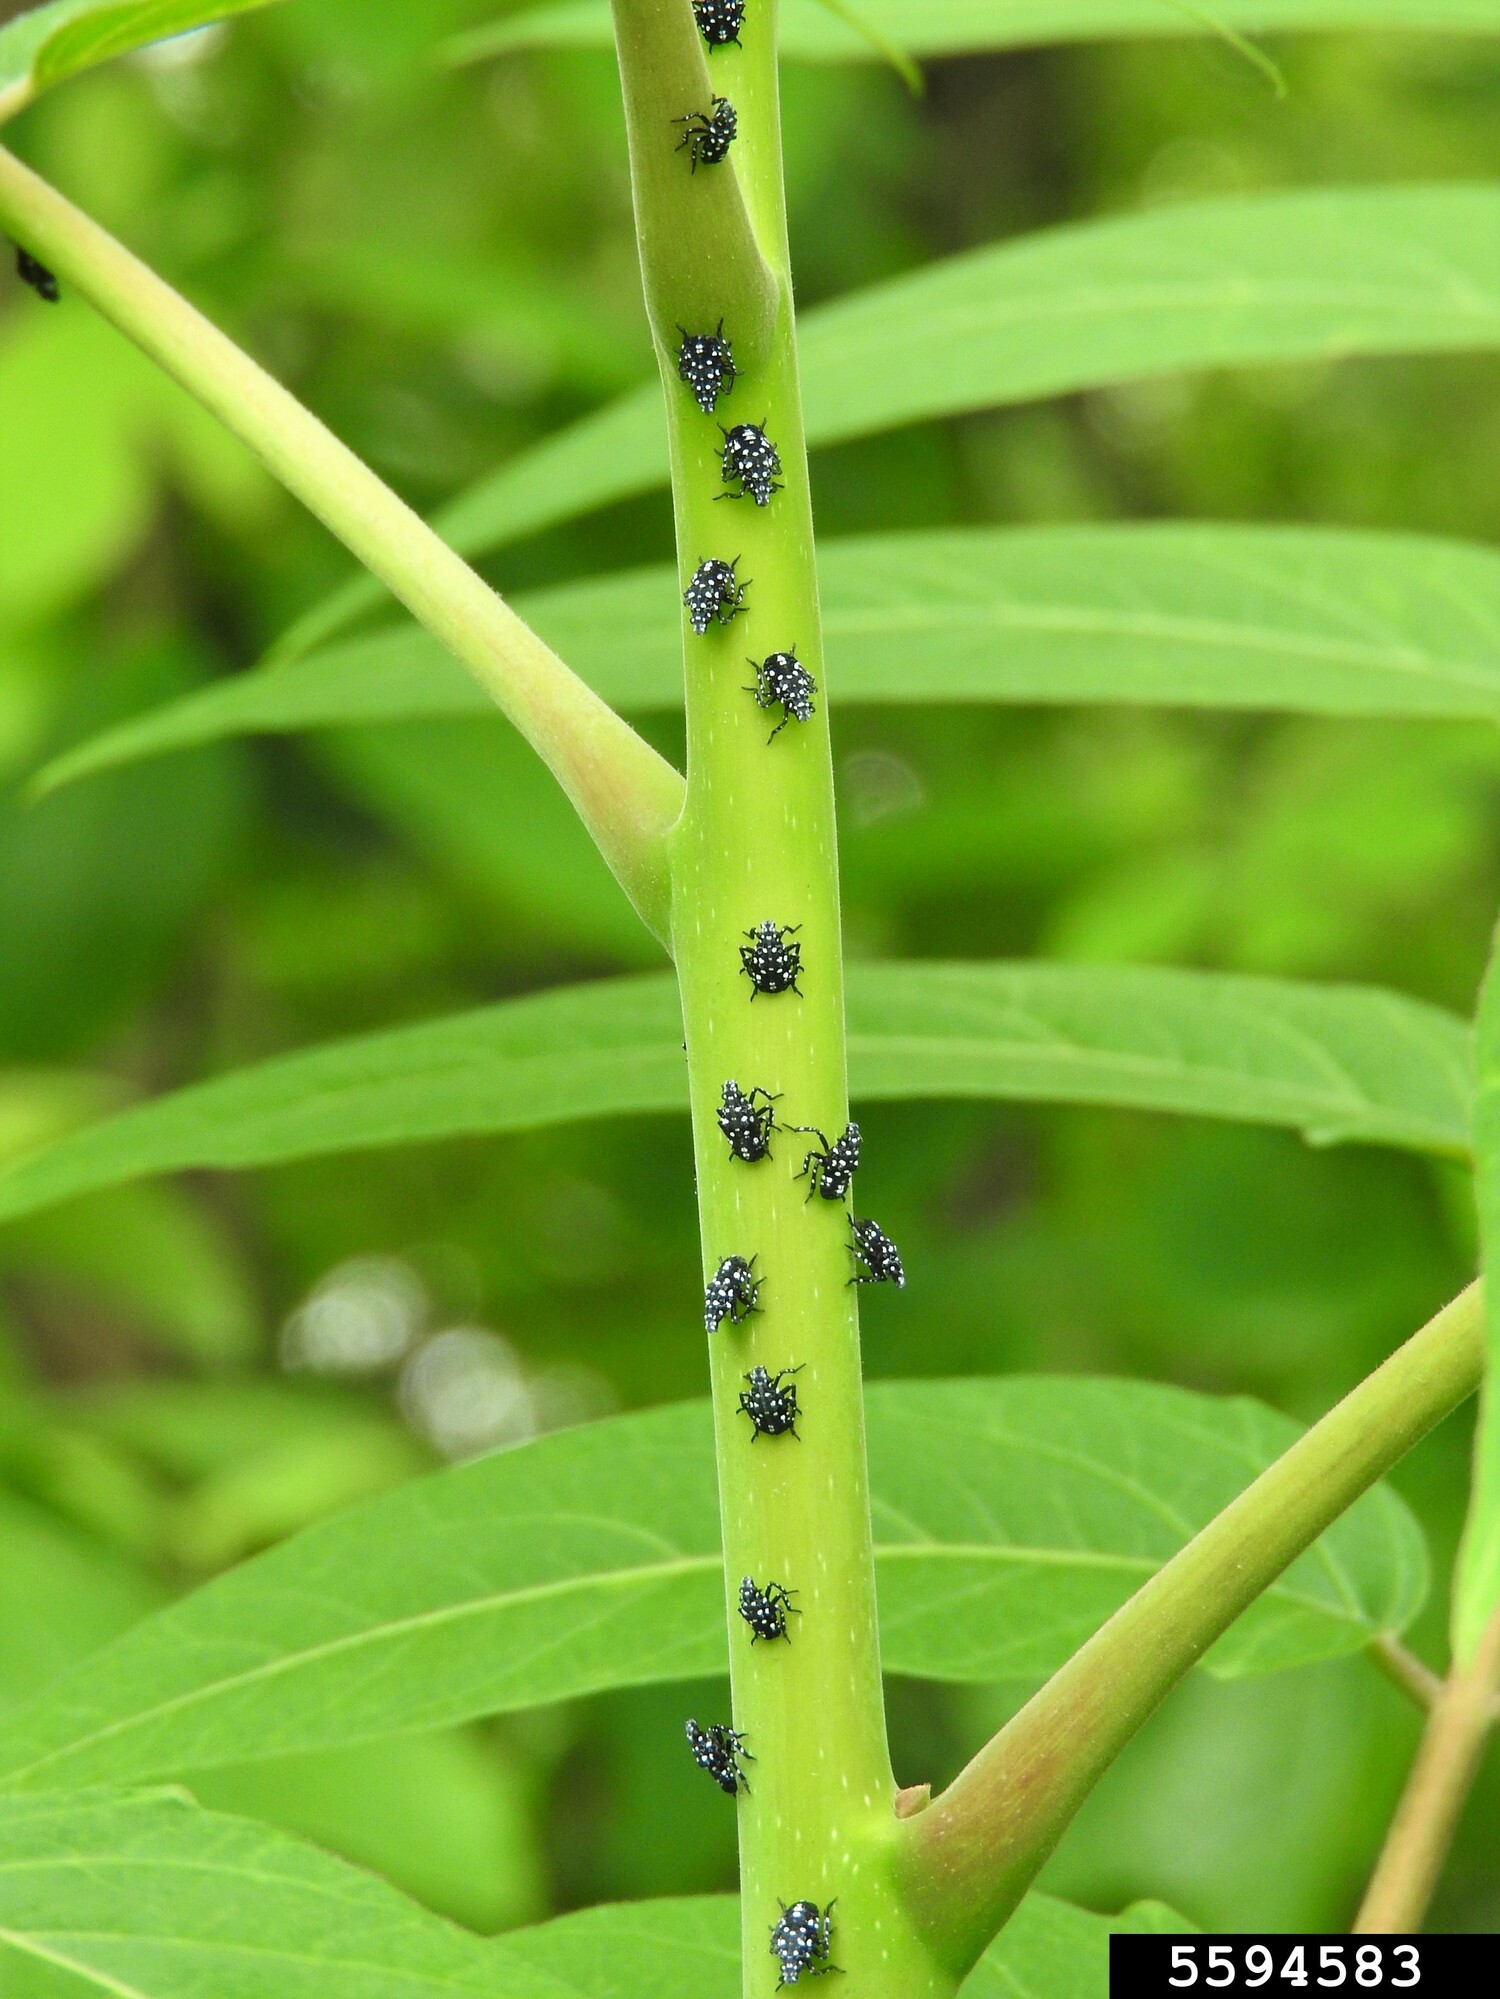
(442, 266)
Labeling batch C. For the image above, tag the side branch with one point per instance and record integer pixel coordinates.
(966, 1861)
(1463, 1713)
(626, 794)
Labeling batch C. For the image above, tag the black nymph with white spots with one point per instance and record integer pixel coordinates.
(719, 21)
(747, 1121)
(715, 592)
(769, 962)
(782, 681)
(765, 1610)
(802, 1940)
(878, 1254)
(770, 1405)
(708, 135)
(705, 361)
(830, 1171)
(718, 1749)
(32, 271)
(731, 1294)
(751, 462)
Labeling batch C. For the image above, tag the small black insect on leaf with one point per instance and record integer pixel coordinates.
(769, 962)
(771, 1407)
(35, 273)
(732, 1293)
(708, 135)
(765, 1610)
(714, 593)
(802, 1940)
(718, 1749)
(830, 1170)
(747, 1121)
(879, 1255)
(751, 462)
(719, 21)
(705, 361)
(782, 681)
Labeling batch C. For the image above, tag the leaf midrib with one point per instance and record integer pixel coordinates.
(1271, 640)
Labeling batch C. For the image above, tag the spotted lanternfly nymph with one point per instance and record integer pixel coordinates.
(34, 273)
(769, 962)
(747, 1121)
(714, 592)
(717, 1749)
(719, 21)
(782, 681)
(801, 1941)
(752, 462)
(772, 1408)
(732, 1293)
(830, 1171)
(705, 362)
(878, 1254)
(708, 135)
(765, 1610)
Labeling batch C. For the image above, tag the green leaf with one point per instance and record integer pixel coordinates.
(449, 1817)
(1310, 620)
(148, 1897)
(683, 1948)
(955, 27)
(152, 1255)
(1011, 1518)
(1335, 1062)
(62, 1596)
(1308, 275)
(1477, 1589)
(1050, 1950)
(152, 1897)
(482, 809)
(48, 44)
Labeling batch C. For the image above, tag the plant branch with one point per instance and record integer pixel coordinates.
(757, 845)
(969, 1858)
(626, 794)
(1441, 1778)
(1405, 1670)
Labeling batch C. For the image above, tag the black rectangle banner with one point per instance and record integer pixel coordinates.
(1309, 1967)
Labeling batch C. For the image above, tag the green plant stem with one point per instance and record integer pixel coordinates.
(757, 843)
(626, 794)
(1405, 1670)
(969, 1858)
(1442, 1776)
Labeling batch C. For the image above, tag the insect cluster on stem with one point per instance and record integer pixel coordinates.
(771, 959)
